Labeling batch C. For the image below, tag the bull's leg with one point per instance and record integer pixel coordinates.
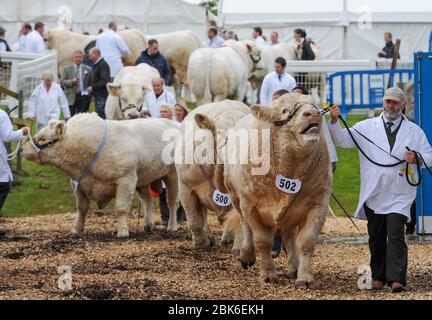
(194, 211)
(147, 204)
(289, 245)
(263, 236)
(172, 200)
(124, 197)
(306, 239)
(83, 204)
(247, 251)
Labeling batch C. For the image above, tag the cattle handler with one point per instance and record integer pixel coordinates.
(392, 149)
(7, 135)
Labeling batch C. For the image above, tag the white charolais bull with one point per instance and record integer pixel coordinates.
(177, 47)
(218, 74)
(66, 42)
(198, 181)
(291, 199)
(130, 159)
(128, 91)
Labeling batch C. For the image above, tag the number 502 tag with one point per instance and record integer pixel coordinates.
(287, 185)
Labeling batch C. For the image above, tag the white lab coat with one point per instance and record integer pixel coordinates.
(153, 104)
(21, 43)
(34, 43)
(46, 106)
(271, 84)
(330, 145)
(217, 42)
(113, 48)
(260, 41)
(7, 135)
(384, 190)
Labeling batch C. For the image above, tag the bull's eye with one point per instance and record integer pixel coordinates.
(285, 111)
(124, 100)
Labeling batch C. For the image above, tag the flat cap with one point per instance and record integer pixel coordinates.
(395, 94)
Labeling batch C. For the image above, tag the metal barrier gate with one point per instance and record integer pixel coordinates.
(363, 89)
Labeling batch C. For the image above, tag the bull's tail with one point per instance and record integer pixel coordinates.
(208, 98)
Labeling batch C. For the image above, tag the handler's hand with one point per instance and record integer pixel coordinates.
(335, 113)
(25, 131)
(411, 157)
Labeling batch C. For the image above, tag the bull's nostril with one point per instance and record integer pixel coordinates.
(307, 114)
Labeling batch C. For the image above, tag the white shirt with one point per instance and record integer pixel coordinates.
(330, 145)
(216, 42)
(384, 190)
(3, 47)
(271, 84)
(34, 43)
(46, 106)
(260, 41)
(113, 48)
(21, 43)
(7, 135)
(153, 104)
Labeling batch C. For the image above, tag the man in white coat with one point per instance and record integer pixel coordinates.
(275, 81)
(158, 97)
(7, 135)
(46, 102)
(113, 48)
(34, 42)
(385, 194)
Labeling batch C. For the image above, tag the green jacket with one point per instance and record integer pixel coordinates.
(67, 75)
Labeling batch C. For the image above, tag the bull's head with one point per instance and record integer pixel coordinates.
(295, 118)
(131, 99)
(255, 55)
(44, 142)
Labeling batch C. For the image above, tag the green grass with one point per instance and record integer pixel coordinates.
(46, 190)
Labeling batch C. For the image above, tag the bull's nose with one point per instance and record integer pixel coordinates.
(133, 116)
(310, 113)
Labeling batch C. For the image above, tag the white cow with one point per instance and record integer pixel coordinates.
(218, 74)
(66, 42)
(130, 160)
(177, 47)
(128, 91)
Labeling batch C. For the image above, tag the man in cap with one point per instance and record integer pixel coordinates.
(386, 195)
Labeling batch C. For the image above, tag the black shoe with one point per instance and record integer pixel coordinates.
(2, 232)
(397, 287)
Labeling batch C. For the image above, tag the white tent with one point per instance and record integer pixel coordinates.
(151, 16)
(350, 29)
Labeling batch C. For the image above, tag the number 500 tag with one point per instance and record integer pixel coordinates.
(222, 199)
(287, 185)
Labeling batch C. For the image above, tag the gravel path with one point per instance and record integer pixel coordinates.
(164, 266)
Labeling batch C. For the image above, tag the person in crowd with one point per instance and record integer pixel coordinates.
(47, 102)
(214, 40)
(388, 51)
(113, 48)
(231, 35)
(76, 79)
(26, 28)
(386, 196)
(34, 41)
(276, 80)
(304, 52)
(274, 38)
(7, 135)
(100, 79)
(181, 111)
(156, 98)
(154, 58)
(257, 35)
(4, 46)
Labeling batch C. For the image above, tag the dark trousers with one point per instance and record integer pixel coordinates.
(389, 252)
(4, 191)
(164, 210)
(100, 101)
(81, 105)
(411, 226)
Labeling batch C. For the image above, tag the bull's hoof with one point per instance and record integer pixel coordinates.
(202, 244)
(123, 233)
(172, 228)
(77, 232)
(304, 285)
(246, 265)
(149, 228)
(268, 277)
(292, 274)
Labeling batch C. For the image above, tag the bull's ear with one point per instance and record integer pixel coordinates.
(113, 89)
(261, 112)
(204, 122)
(60, 129)
(249, 48)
